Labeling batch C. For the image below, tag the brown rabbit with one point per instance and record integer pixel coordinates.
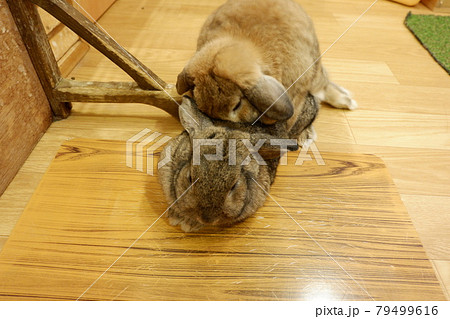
(248, 53)
(224, 191)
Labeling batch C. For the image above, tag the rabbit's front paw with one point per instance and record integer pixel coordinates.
(187, 225)
(190, 227)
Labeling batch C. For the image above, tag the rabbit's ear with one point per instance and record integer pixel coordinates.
(269, 96)
(273, 146)
(191, 118)
(185, 82)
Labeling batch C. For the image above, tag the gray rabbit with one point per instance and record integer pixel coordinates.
(224, 191)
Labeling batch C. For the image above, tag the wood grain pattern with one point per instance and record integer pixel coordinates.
(24, 110)
(374, 128)
(67, 47)
(438, 5)
(90, 207)
(92, 9)
(434, 229)
(49, 22)
(360, 70)
(416, 171)
(162, 34)
(3, 240)
(34, 37)
(443, 269)
(19, 192)
(62, 41)
(72, 57)
(118, 92)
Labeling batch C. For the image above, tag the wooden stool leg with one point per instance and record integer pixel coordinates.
(35, 39)
(88, 31)
(148, 87)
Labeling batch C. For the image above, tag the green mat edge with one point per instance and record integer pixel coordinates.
(423, 44)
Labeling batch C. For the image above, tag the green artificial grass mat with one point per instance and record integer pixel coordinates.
(434, 34)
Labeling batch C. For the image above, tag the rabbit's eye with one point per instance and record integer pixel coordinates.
(189, 177)
(234, 186)
(237, 106)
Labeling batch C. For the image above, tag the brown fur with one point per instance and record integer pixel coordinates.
(251, 51)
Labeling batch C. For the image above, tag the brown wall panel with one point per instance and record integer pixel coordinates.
(24, 110)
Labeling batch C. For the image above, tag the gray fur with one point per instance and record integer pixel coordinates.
(212, 200)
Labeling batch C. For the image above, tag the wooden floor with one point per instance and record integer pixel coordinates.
(403, 116)
(334, 228)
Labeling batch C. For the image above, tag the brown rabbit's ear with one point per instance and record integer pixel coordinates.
(185, 82)
(269, 97)
(191, 118)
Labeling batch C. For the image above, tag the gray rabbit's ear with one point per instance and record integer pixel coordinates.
(192, 119)
(274, 147)
(269, 96)
(185, 82)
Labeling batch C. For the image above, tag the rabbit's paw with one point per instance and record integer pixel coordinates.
(345, 100)
(337, 97)
(174, 221)
(307, 137)
(187, 225)
(190, 227)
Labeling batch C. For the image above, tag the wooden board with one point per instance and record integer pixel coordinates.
(337, 231)
(62, 41)
(66, 45)
(438, 5)
(72, 57)
(49, 22)
(24, 110)
(92, 9)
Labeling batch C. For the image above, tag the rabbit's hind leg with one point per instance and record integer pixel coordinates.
(337, 97)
